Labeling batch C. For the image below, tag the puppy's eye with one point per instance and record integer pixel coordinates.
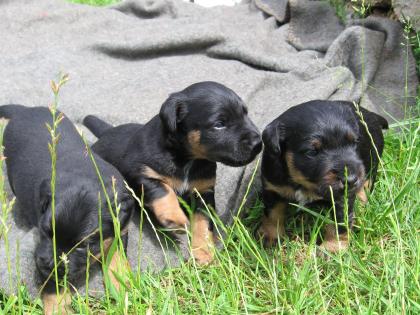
(312, 152)
(219, 125)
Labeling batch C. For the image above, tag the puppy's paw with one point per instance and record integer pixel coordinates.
(270, 232)
(54, 304)
(176, 221)
(361, 195)
(335, 246)
(334, 243)
(202, 256)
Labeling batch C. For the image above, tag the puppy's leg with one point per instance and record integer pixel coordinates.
(336, 239)
(272, 225)
(118, 263)
(162, 200)
(54, 304)
(361, 194)
(202, 241)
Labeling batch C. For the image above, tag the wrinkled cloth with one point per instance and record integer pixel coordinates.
(124, 60)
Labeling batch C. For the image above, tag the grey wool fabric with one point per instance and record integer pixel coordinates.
(124, 60)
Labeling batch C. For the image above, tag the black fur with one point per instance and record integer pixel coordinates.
(324, 138)
(28, 164)
(209, 109)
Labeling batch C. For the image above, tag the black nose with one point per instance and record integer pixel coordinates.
(252, 140)
(351, 180)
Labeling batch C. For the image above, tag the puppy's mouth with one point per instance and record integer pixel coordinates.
(237, 162)
(331, 181)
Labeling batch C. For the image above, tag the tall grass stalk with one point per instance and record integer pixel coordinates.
(52, 146)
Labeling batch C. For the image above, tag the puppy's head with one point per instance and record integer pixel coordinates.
(318, 143)
(76, 217)
(212, 123)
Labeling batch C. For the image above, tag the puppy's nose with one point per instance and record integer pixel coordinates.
(252, 140)
(351, 180)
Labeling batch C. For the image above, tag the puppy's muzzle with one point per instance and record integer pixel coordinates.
(253, 142)
(351, 177)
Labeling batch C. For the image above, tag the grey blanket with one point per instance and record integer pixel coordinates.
(124, 60)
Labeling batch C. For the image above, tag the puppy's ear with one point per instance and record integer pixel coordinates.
(374, 118)
(273, 136)
(173, 111)
(44, 196)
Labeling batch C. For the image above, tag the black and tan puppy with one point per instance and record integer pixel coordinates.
(77, 187)
(177, 150)
(311, 149)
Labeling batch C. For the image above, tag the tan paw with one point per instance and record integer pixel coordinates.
(169, 213)
(54, 304)
(335, 246)
(202, 256)
(361, 195)
(176, 221)
(334, 243)
(270, 232)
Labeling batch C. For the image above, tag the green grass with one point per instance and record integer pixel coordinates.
(379, 274)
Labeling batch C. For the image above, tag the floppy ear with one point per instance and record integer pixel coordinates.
(374, 118)
(173, 111)
(273, 136)
(44, 196)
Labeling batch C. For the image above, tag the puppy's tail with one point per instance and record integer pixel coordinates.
(8, 111)
(96, 126)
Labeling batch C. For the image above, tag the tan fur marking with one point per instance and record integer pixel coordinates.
(203, 185)
(173, 182)
(197, 149)
(118, 265)
(333, 244)
(283, 190)
(316, 144)
(296, 175)
(330, 178)
(350, 136)
(168, 211)
(272, 227)
(54, 304)
(361, 194)
(202, 242)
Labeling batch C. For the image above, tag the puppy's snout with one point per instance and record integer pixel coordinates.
(350, 179)
(252, 140)
(350, 175)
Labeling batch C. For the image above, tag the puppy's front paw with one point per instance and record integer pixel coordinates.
(54, 304)
(202, 256)
(174, 220)
(334, 243)
(335, 246)
(270, 231)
